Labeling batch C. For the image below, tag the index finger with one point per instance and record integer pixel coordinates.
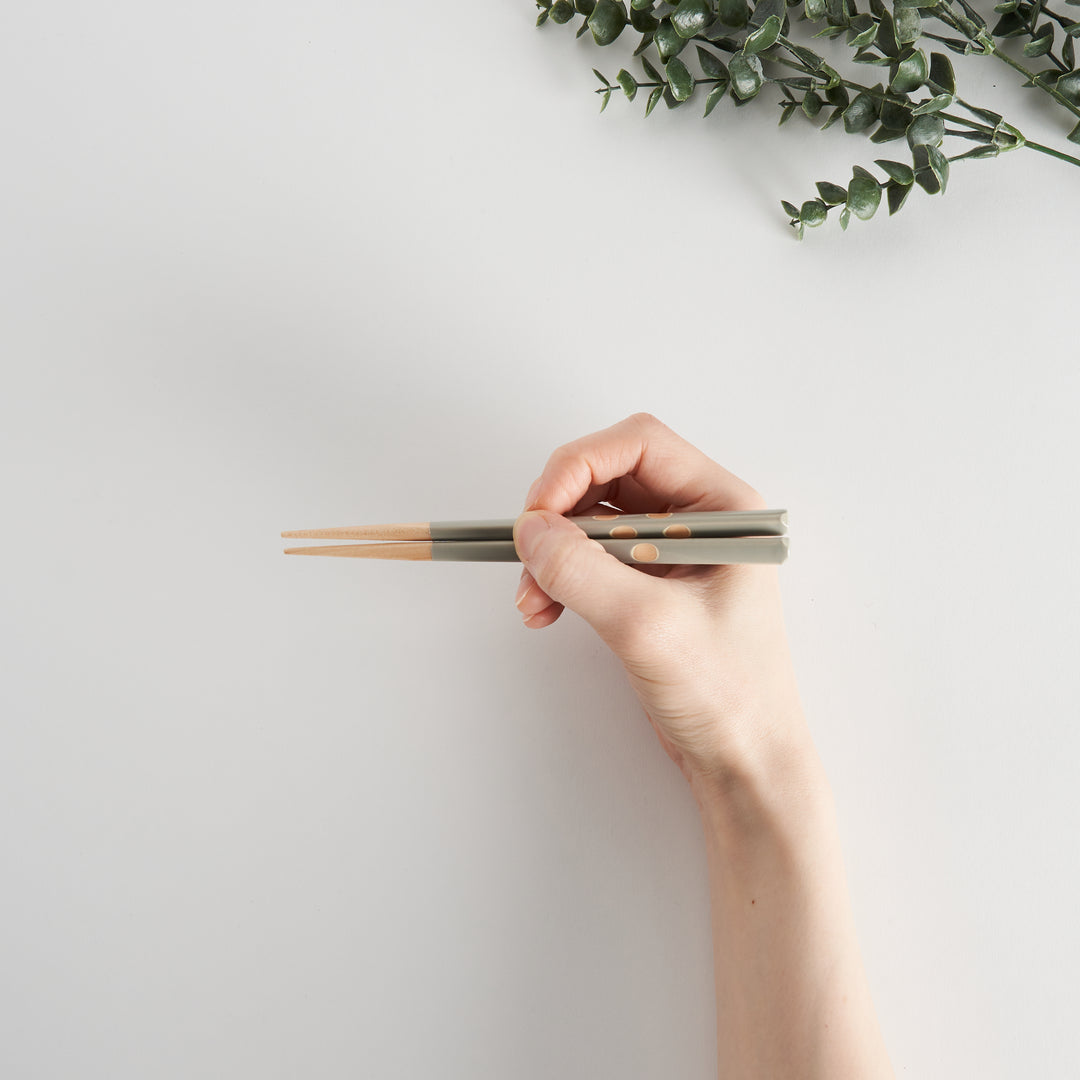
(642, 466)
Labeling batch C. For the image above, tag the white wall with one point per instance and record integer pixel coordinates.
(269, 266)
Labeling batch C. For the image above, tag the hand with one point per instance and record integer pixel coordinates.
(704, 646)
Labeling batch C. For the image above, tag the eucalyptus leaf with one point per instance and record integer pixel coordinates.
(715, 94)
(926, 130)
(628, 83)
(746, 75)
(863, 197)
(934, 104)
(863, 30)
(814, 10)
(910, 73)
(734, 13)
(668, 41)
(691, 17)
(813, 212)
(607, 21)
(561, 11)
(711, 65)
(811, 104)
(832, 194)
(763, 38)
(897, 195)
(789, 209)
(654, 97)
(941, 79)
(680, 79)
(897, 171)
(908, 25)
(860, 114)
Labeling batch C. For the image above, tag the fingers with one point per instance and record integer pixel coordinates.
(640, 465)
(568, 569)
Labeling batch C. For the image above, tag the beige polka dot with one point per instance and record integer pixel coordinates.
(658, 515)
(605, 517)
(624, 532)
(644, 553)
(677, 532)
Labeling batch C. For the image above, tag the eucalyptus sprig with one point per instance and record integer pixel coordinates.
(741, 46)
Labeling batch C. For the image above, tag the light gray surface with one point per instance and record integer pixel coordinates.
(266, 265)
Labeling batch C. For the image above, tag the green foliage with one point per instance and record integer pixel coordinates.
(913, 103)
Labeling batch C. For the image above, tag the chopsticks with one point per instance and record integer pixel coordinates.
(704, 538)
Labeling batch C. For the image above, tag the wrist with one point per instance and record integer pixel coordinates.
(773, 783)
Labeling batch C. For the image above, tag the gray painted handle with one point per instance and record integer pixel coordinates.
(710, 551)
(731, 523)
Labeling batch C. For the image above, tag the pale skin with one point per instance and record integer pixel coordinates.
(706, 652)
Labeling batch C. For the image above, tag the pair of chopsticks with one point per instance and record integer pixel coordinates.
(696, 539)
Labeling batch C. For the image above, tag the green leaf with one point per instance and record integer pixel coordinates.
(585, 7)
(863, 30)
(931, 168)
(863, 197)
(799, 227)
(1068, 86)
(561, 12)
(734, 13)
(680, 79)
(715, 94)
(897, 171)
(607, 98)
(764, 37)
(886, 134)
(934, 104)
(831, 194)
(789, 209)
(644, 22)
(895, 116)
(910, 73)
(628, 83)
(837, 95)
(812, 213)
(941, 79)
(860, 114)
(691, 17)
(581, 29)
(814, 10)
(787, 112)
(607, 21)
(654, 97)
(886, 35)
(845, 217)
(603, 78)
(668, 41)
(833, 117)
(926, 130)
(543, 16)
(1074, 135)
(711, 65)
(642, 5)
(746, 75)
(908, 25)
(1040, 46)
(897, 196)
(654, 75)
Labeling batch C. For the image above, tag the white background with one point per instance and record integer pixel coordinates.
(268, 266)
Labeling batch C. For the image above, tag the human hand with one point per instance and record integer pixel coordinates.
(704, 646)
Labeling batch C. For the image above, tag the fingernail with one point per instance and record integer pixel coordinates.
(530, 528)
(532, 492)
(523, 588)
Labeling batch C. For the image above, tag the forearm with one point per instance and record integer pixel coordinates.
(791, 995)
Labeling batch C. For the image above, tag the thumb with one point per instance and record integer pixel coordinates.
(580, 574)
